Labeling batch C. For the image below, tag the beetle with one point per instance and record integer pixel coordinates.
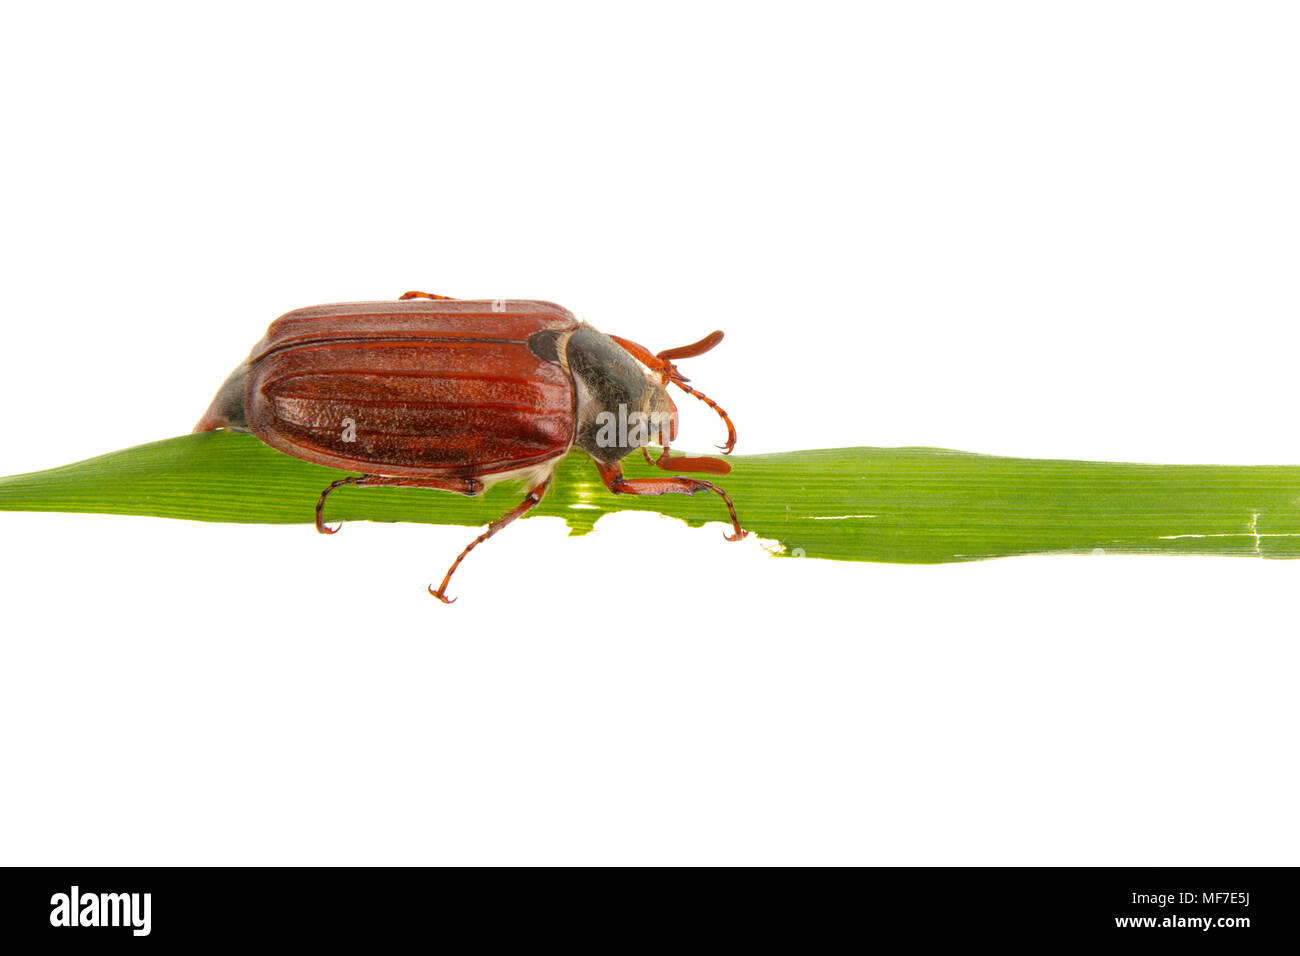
(456, 394)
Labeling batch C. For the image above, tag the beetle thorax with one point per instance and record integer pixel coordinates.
(621, 405)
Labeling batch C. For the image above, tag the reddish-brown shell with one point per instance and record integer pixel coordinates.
(436, 388)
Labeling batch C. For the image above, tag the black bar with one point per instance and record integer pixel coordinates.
(1225, 907)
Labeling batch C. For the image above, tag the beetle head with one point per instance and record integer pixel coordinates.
(662, 363)
(622, 395)
(621, 405)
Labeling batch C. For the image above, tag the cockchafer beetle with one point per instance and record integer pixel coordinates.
(457, 394)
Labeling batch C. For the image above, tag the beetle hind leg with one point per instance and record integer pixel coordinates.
(464, 486)
(530, 502)
(422, 295)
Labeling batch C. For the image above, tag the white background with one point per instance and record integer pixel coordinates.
(1031, 229)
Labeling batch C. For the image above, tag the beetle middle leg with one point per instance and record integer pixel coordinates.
(522, 508)
(465, 486)
(612, 475)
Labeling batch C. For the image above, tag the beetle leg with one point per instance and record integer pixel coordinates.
(421, 295)
(466, 486)
(726, 419)
(321, 526)
(612, 475)
(524, 507)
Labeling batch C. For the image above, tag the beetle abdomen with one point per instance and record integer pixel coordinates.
(408, 388)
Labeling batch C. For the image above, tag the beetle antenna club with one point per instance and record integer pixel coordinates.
(712, 466)
(457, 394)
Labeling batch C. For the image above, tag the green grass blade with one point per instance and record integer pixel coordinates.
(912, 505)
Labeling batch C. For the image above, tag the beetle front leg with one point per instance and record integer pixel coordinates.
(612, 475)
(465, 486)
(524, 507)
